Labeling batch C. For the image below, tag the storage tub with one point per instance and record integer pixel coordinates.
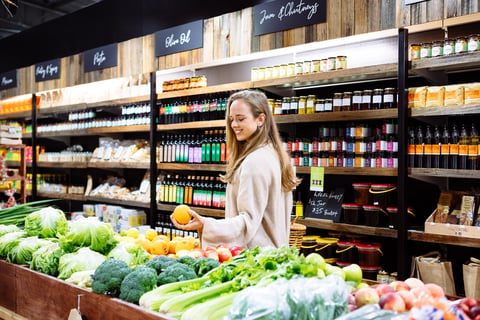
(384, 195)
(347, 252)
(361, 193)
(369, 254)
(352, 213)
(375, 216)
(392, 214)
(326, 247)
(370, 272)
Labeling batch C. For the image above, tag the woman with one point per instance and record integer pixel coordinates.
(259, 178)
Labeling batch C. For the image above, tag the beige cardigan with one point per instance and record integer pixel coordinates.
(257, 211)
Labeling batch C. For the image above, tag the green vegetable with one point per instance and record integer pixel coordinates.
(142, 279)
(160, 263)
(22, 249)
(203, 265)
(176, 272)
(4, 229)
(46, 223)
(109, 276)
(82, 260)
(46, 259)
(81, 278)
(189, 261)
(89, 232)
(16, 215)
(213, 309)
(7, 242)
(133, 254)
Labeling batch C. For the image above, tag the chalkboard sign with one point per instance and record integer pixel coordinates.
(185, 37)
(47, 70)
(283, 15)
(8, 80)
(325, 205)
(100, 58)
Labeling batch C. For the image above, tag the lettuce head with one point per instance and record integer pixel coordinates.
(47, 222)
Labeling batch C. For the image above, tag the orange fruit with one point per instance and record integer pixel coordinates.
(181, 214)
(150, 234)
(159, 247)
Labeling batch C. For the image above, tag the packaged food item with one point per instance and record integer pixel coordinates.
(472, 93)
(426, 50)
(369, 254)
(437, 48)
(361, 193)
(466, 211)
(351, 213)
(417, 97)
(443, 207)
(415, 51)
(454, 95)
(435, 96)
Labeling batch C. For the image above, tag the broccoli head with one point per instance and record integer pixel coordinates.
(204, 265)
(109, 275)
(140, 280)
(189, 261)
(159, 263)
(176, 272)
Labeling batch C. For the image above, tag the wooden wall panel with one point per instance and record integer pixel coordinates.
(374, 15)
(361, 16)
(347, 14)
(388, 14)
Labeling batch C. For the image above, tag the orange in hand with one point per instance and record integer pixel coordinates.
(181, 214)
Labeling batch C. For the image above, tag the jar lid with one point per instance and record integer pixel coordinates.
(328, 240)
(392, 209)
(369, 245)
(361, 185)
(351, 206)
(347, 92)
(357, 92)
(375, 186)
(347, 243)
(415, 44)
(342, 264)
(367, 91)
(370, 268)
(371, 208)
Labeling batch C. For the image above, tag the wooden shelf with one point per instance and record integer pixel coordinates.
(65, 196)
(121, 164)
(191, 166)
(353, 171)
(211, 212)
(455, 62)
(445, 173)
(73, 165)
(16, 115)
(192, 125)
(207, 90)
(338, 116)
(445, 111)
(443, 239)
(348, 228)
(119, 202)
(95, 131)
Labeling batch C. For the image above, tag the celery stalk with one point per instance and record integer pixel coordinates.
(213, 309)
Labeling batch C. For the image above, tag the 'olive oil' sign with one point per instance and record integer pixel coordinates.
(185, 37)
(283, 15)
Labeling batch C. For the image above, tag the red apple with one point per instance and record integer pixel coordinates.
(196, 253)
(383, 288)
(223, 254)
(474, 312)
(392, 301)
(209, 249)
(367, 295)
(435, 290)
(414, 282)
(470, 302)
(399, 285)
(212, 254)
(223, 246)
(235, 250)
(407, 297)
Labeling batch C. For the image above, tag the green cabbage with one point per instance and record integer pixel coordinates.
(89, 232)
(21, 250)
(7, 228)
(133, 254)
(7, 242)
(82, 260)
(46, 223)
(46, 259)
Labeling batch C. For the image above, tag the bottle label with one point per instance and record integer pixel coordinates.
(445, 149)
(463, 150)
(472, 150)
(435, 149)
(454, 149)
(427, 150)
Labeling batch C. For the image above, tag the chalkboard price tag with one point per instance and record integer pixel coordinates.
(282, 15)
(48, 70)
(8, 80)
(325, 205)
(101, 58)
(185, 37)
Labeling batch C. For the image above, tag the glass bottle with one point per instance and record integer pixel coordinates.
(293, 105)
(357, 100)
(436, 144)
(473, 148)
(454, 148)
(427, 148)
(419, 148)
(445, 148)
(463, 148)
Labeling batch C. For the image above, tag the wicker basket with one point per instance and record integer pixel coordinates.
(297, 231)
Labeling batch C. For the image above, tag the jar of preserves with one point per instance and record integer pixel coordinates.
(426, 51)
(377, 99)
(286, 105)
(357, 100)
(291, 69)
(461, 45)
(307, 66)
(328, 105)
(341, 62)
(277, 110)
(331, 63)
(271, 103)
(448, 47)
(367, 99)
(389, 98)
(337, 101)
(276, 71)
(415, 51)
(347, 101)
(323, 65)
(437, 48)
(473, 43)
(268, 73)
(253, 74)
(283, 70)
(320, 105)
(315, 67)
(311, 100)
(261, 74)
(293, 105)
(302, 105)
(299, 68)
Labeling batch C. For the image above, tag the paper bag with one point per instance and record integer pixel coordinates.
(471, 278)
(430, 268)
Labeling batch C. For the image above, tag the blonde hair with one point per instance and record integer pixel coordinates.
(267, 133)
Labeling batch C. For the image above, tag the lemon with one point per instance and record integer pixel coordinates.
(150, 234)
(181, 214)
(133, 233)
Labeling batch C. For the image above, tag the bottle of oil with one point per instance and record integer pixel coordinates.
(445, 147)
(454, 146)
(427, 148)
(436, 143)
(463, 148)
(419, 148)
(411, 147)
(473, 148)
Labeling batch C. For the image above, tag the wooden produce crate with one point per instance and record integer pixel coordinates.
(451, 229)
(7, 285)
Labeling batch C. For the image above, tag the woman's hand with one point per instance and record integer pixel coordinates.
(195, 224)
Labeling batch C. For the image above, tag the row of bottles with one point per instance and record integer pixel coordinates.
(447, 147)
(202, 191)
(209, 147)
(203, 108)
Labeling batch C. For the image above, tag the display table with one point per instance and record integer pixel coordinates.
(37, 296)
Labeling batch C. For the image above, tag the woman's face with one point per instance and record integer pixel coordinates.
(243, 122)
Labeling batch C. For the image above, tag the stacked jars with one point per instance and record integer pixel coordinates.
(438, 48)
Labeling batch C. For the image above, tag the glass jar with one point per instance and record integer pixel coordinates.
(367, 99)
(307, 66)
(286, 105)
(268, 73)
(271, 103)
(311, 99)
(331, 63)
(337, 101)
(473, 43)
(426, 51)
(448, 47)
(357, 100)
(415, 51)
(389, 98)
(283, 70)
(254, 74)
(302, 105)
(278, 109)
(461, 45)
(290, 69)
(276, 71)
(261, 74)
(341, 62)
(320, 105)
(347, 101)
(315, 67)
(328, 105)
(299, 68)
(323, 65)
(377, 99)
(293, 105)
(437, 48)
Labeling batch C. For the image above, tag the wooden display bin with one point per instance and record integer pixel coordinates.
(37, 296)
(451, 229)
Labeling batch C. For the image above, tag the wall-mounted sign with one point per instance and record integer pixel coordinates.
(100, 58)
(8, 80)
(185, 37)
(283, 15)
(47, 70)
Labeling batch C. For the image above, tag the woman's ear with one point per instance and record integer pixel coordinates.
(260, 119)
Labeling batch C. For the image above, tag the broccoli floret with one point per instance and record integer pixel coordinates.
(142, 279)
(109, 276)
(159, 263)
(204, 265)
(176, 272)
(189, 261)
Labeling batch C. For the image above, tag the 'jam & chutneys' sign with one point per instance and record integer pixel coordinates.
(283, 15)
(8, 80)
(100, 58)
(47, 70)
(185, 37)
